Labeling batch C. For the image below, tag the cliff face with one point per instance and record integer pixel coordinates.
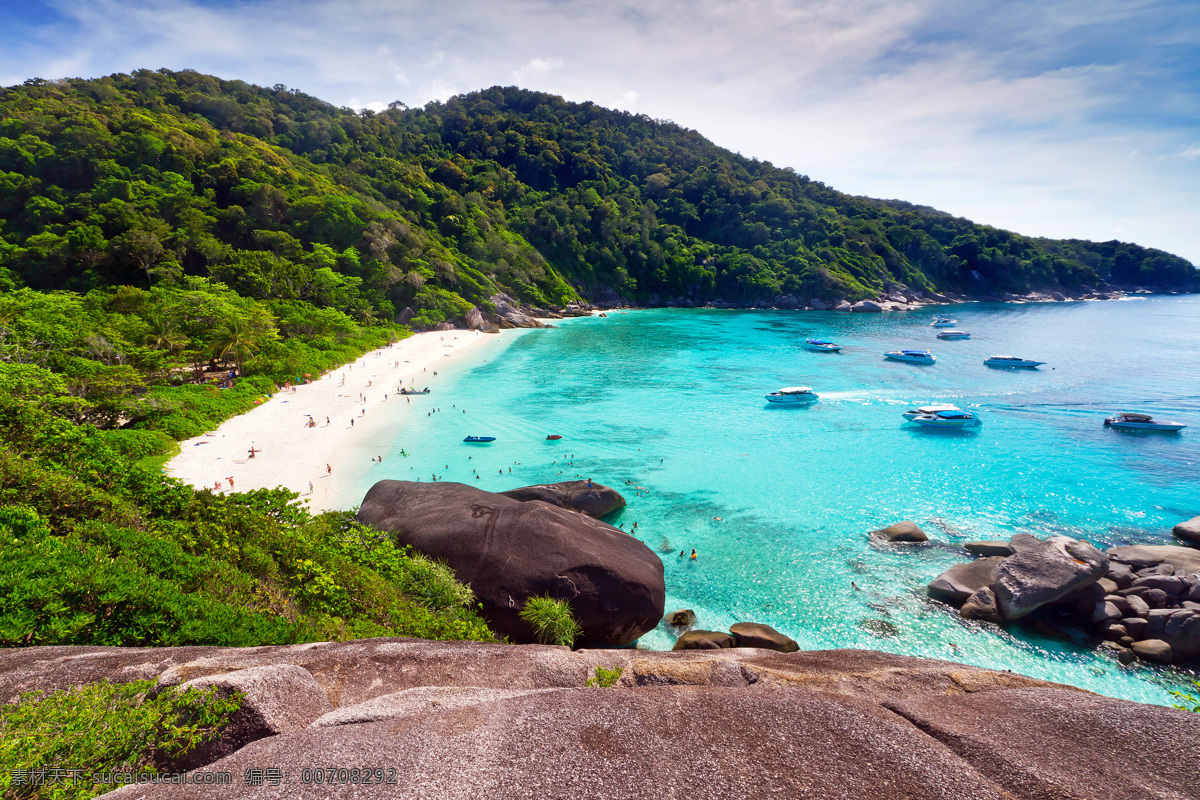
(453, 720)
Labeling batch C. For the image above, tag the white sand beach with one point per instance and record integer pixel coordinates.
(347, 431)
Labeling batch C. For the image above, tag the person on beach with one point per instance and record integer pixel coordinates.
(216, 486)
(352, 422)
(328, 470)
(327, 420)
(252, 451)
(310, 487)
(230, 479)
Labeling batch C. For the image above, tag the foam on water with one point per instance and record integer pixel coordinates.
(667, 406)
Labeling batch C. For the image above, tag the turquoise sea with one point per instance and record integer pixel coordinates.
(667, 406)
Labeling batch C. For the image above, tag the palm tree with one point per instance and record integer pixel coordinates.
(235, 341)
(162, 334)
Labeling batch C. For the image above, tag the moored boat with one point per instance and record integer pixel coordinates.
(1011, 361)
(947, 419)
(792, 394)
(479, 439)
(1132, 421)
(820, 345)
(912, 356)
(554, 437)
(916, 412)
(943, 322)
(953, 335)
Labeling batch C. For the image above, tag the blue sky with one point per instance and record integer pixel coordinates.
(1065, 119)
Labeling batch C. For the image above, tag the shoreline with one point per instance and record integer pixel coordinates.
(293, 455)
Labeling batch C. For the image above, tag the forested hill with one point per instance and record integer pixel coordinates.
(150, 178)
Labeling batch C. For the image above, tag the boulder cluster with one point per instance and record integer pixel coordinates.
(741, 634)
(507, 313)
(1142, 601)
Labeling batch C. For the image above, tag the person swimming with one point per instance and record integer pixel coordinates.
(694, 556)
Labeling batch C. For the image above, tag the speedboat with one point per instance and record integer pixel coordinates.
(953, 335)
(924, 410)
(480, 439)
(1011, 361)
(792, 394)
(554, 437)
(947, 419)
(912, 356)
(820, 344)
(943, 322)
(1141, 422)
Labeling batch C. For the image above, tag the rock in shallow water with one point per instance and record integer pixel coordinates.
(1032, 578)
(989, 548)
(1188, 531)
(704, 640)
(900, 532)
(508, 551)
(754, 634)
(981, 606)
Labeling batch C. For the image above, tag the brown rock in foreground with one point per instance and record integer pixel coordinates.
(466, 720)
(509, 551)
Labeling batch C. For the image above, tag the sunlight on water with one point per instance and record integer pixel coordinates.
(667, 406)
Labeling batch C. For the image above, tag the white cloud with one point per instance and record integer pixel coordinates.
(626, 101)
(535, 69)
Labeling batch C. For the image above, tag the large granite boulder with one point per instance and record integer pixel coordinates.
(510, 315)
(867, 306)
(981, 606)
(905, 531)
(509, 551)
(473, 319)
(1188, 531)
(756, 634)
(818, 304)
(1032, 578)
(594, 500)
(961, 581)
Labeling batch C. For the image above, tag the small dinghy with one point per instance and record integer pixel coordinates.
(554, 437)
(480, 439)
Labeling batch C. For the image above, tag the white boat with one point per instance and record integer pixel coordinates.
(943, 322)
(916, 412)
(953, 335)
(1011, 361)
(947, 419)
(912, 356)
(792, 394)
(820, 345)
(1141, 422)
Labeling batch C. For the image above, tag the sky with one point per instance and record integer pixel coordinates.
(1061, 118)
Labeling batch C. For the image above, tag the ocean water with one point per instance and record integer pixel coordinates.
(667, 406)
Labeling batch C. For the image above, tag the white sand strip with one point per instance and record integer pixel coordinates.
(348, 427)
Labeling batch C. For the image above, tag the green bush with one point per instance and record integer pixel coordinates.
(102, 728)
(551, 620)
(1190, 703)
(605, 678)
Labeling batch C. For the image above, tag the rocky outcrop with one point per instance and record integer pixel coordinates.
(961, 581)
(460, 719)
(1032, 578)
(900, 532)
(512, 316)
(755, 634)
(473, 319)
(818, 304)
(583, 496)
(684, 618)
(276, 699)
(509, 551)
(981, 605)
(867, 306)
(1188, 531)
